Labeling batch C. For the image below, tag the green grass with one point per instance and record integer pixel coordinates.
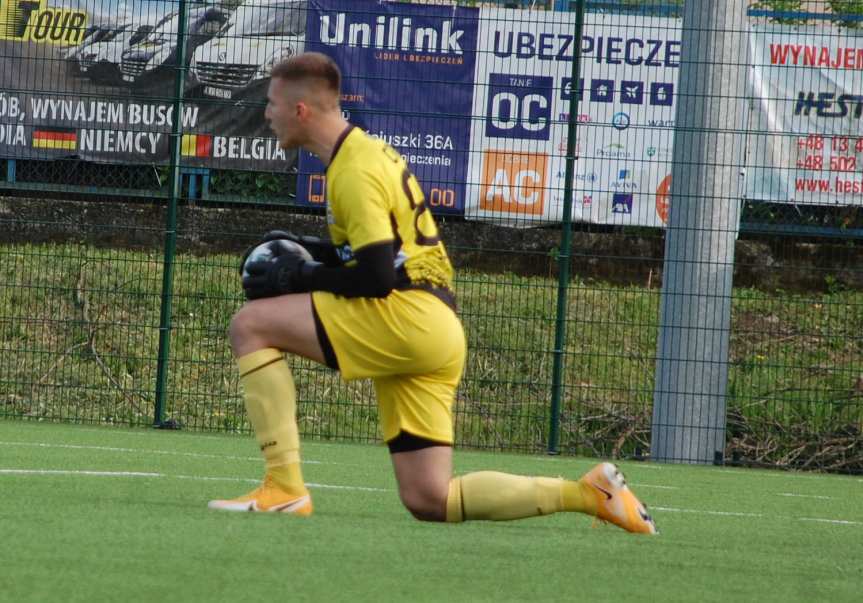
(79, 334)
(726, 535)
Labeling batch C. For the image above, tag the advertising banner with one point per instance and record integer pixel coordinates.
(407, 78)
(806, 142)
(630, 68)
(95, 79)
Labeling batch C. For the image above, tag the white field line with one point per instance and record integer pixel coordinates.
(198, 455)
(138, 474)
(726, 471)
(559, 459)
(791, 494)
(547, 459)
(81, 472)
(93, 473)
(258, 481)
(117, 429)
(782, 474)
(256, 459)
(717, 471)
(700, 512)
(843, 522)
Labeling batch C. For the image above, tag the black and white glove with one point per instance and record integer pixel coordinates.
(277, 267)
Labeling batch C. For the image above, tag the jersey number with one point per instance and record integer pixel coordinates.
(419, 208)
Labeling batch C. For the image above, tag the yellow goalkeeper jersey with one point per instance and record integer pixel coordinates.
(372, 197)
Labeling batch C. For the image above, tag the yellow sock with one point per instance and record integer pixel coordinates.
(271, 404)
(289, 478)
(501, 496)
(578, 497)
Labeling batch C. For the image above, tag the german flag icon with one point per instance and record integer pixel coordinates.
(197, 145)
(55, 138)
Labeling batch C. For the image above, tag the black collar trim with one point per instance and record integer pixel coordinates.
(340, 140)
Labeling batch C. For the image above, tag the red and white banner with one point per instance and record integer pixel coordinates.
(806, 142)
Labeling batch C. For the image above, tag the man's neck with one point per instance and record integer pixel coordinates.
(323, 141)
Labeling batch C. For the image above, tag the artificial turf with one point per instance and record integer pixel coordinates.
(136, 528)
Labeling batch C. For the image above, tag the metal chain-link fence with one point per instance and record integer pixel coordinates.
(548, 167)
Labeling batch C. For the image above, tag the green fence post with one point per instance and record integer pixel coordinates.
(171, 222)
(563, 256)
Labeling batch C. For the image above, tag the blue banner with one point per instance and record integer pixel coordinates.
(408, 78)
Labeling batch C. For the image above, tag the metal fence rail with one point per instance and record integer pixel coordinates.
(118, 280)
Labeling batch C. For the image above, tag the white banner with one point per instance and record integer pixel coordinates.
(629, 74)
(806, 143)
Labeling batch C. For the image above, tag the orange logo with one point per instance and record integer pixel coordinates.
(663, 199)
(513, 182)
(317, 188)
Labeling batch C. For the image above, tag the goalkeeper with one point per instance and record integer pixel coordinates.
(375, 302)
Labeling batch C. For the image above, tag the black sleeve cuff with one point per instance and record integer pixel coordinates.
(373, 276)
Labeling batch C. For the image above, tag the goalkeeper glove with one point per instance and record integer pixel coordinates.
(277, 267)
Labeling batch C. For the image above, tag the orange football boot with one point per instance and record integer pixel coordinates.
(267, 498)
(615, 502)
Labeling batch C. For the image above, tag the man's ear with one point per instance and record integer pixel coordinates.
(303, 110)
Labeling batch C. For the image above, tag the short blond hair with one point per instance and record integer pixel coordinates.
(310, 66)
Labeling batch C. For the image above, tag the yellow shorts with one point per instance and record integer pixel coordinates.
(411, 345)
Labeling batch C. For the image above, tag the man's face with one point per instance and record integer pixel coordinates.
(283, 114)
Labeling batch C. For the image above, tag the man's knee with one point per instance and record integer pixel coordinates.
(249, 327)
(243, 325)
(425, 505)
